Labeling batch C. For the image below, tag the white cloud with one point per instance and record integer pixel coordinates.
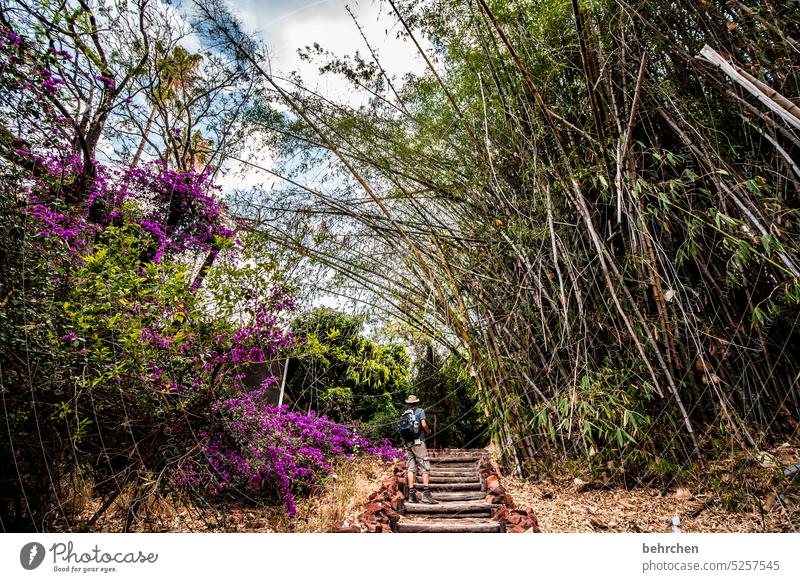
(287, 25)
(244, 176)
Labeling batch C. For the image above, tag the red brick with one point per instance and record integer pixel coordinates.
(532, 523)
(505, 499)
(372, 508)
(390, 512)
(501, 514)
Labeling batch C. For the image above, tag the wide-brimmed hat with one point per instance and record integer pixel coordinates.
(412, 400)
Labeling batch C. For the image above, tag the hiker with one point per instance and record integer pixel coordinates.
(413, 430)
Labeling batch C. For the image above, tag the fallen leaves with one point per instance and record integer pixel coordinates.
(560, 508)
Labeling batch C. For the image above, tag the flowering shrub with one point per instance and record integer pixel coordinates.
(176, 211)
(27, 76)
(116, 354)
(73, 202)
(185, 214)
(261, 450)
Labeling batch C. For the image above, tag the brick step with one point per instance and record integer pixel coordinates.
(448, 526)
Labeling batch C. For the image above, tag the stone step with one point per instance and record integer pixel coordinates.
(445, 516)
(448, 526)
(454, 479)
(450, 466)
(455, 483)
(458, 495)
(453, 458)
(473, 476)
(453, 472)
(457, 507)
(475, 486)
(472, 455)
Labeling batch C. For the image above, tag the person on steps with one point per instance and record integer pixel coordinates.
(416, 429)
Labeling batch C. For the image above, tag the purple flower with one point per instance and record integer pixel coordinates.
(107, 81)
(257, 448)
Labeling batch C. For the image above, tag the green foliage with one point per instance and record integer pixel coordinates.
(347, 376)
(449, 396)
(110, 361)
(610, 412)
(587, 211)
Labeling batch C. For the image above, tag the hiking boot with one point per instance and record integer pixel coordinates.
(412, 496)
(426, 498)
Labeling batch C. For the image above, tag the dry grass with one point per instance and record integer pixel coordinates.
(333, 501)
(340, 500)
(76, 494)
(558, 505)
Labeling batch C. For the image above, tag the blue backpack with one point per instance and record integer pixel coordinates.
(408, 427)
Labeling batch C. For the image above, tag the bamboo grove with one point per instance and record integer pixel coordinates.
(594, 203)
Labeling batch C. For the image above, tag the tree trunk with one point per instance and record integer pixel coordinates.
(143, 141)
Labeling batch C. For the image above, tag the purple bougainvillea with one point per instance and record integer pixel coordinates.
(259, 449)
(115, 248)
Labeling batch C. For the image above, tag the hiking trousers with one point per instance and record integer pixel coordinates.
(417, 457)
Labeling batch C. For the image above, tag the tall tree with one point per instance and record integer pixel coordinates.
(174, 85)
(555, 198)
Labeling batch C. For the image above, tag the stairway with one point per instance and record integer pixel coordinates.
(456, 484)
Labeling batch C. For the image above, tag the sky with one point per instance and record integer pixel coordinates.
(288, 25)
